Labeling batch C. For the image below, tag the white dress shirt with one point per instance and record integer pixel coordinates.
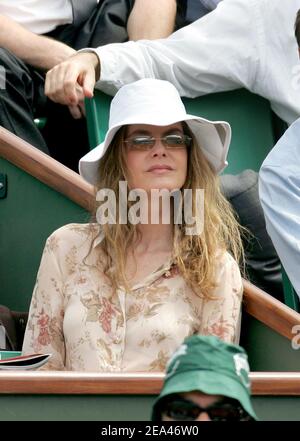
(38, 16)
(242, 43)
(279, 190)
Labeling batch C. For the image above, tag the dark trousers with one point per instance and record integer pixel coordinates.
(23, 98)
(262, 263)
(20, 99)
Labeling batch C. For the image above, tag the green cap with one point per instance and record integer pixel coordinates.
(209, 365)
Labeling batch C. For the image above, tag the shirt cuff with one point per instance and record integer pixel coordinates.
(107, 56)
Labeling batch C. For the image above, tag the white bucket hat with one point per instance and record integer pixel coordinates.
(157, 102)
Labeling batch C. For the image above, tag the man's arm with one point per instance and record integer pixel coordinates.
(216, 53)
(151, 19)
(147, 20)
(279, 191)
(38, 51)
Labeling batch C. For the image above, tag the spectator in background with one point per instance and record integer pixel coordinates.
(279, 189)
(280, 194)
(206, 380)
(241, 43)
(35, 36)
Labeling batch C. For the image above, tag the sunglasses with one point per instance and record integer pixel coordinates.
(144, 142)
(180, 409)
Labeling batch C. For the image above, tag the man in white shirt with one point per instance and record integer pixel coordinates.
(279, 189)
(27, 52)
(241, 43)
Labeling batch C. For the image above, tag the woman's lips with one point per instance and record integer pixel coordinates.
(160, 169)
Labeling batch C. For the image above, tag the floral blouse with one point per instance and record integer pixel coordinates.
(75, 316)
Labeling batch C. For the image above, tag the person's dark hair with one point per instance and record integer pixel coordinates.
(297, 28)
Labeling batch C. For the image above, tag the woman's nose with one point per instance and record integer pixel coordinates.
(203, 416)
(158, 149)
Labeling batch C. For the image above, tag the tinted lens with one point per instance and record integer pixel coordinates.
(184, 410)
(141, 142)
(181, 410)
(169, 141)
(226, 412)
(175, 141)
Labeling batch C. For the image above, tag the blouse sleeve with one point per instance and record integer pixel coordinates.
(222, 313)
(44, 331)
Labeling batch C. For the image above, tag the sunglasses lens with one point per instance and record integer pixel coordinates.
(141, 142)
(175, 141)
(226, 412)
(147, 142)
(181, 410)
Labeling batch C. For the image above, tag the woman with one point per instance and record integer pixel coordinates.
(122, 295)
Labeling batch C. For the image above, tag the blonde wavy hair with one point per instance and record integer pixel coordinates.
(195, 255)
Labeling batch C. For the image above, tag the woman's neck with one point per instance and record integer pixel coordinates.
(155, 238)
(157, 234)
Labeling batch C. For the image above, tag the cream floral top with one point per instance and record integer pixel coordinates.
(75, 316)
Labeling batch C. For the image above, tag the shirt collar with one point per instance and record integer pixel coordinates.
(98, 239)
(156, 274)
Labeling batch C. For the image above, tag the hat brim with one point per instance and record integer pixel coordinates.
(208, 382)
(213, 138)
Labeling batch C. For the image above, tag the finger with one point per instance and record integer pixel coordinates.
(50, 82)
(69, 87)
(75, 112)
(53, 84)
(82, 108)
(54, 81)
(88, 83)
(79, 92)
(47, 83)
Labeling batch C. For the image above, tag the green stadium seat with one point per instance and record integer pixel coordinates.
(40, 122)
(291, 298)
